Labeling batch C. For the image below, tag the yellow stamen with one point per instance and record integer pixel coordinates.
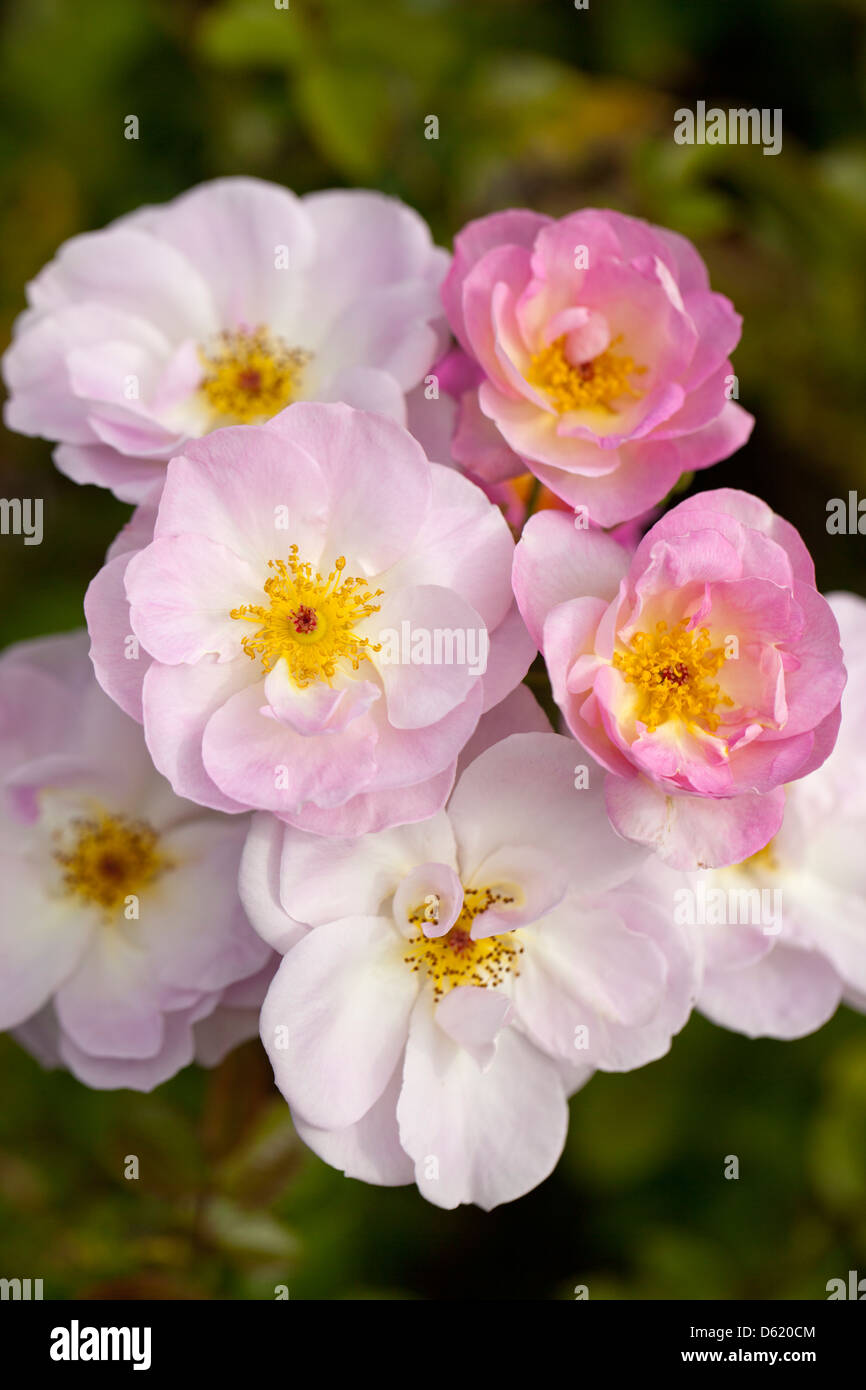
(111, 859)
(760, 864)
(250, 375)
(310, 620)
(455, 958)
(599, 382)
(672, 671)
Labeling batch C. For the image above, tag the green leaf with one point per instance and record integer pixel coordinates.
(347, 113)
(254, 31)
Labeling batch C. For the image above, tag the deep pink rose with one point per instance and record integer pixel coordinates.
(704, 672)
(593, 352)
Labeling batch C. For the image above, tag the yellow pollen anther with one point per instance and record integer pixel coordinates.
(310, 620)
(598, 382)
(455, 958)
(673, 671)
(250, 375)
(112, 858)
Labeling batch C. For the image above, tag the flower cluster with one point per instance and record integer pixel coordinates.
(299, 785)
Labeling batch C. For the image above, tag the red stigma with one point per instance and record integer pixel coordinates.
(250, 380)
(459, 940)
(675, 675)
(304, 619)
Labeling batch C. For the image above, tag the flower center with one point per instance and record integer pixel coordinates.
(310, 621)
(455, 958)
(598, 382)
(250, 374)
(673, 671)
(111, 858)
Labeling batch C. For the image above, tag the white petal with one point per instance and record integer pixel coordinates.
(335, 1018)
(483, 1137)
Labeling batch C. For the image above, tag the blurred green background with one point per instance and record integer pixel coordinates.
(543, 105)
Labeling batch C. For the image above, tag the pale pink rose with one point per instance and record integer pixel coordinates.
(234, 1020)
(118, 659)
(704, 672)
(446, 986)
(221, 307)
(783, 935)
(121, 930)
(593, 352)
(270, 646)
